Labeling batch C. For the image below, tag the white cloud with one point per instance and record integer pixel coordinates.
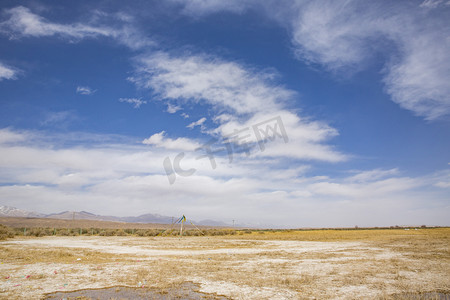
(24, 23)
(122, 178)
(340, 37)
(7, 72)
(60, 118)
(85, 90)
(171, 109)
(197, 123)
(325, 32)
(419, 80)
(240, 97)
(11, 136)
(372, 175)
(160, 141)
(443, 184)
(431, 3)
(441, 179)
(344, 37)
(134, 101)
(305, 138)
(198, 8)
(209, 80)
(378, 188)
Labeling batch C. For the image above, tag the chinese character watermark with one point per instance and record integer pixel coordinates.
(239, 141)
(262, 140)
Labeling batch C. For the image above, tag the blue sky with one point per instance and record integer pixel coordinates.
(95, 97)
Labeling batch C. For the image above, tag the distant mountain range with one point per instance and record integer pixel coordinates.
(8, 211)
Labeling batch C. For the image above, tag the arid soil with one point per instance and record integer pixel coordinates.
(239, 267)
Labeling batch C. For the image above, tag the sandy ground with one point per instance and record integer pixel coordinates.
(235, 268)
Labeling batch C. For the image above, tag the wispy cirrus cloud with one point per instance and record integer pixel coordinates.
(197, 123)
(240, 96)
(345, 37)
(60, 118)
(159, 140)
(133, 101)
(22, 23)
(203, 79)
(85, 90)
(198, 8)
(372, 175)
(433, 3)
(171, 109)
(7, 72)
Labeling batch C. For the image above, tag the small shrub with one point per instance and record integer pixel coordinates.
(63, 232)
(38, 232)
(6, 232)
(110, 232)
(140, 232)
(121, 232)
(152, 232)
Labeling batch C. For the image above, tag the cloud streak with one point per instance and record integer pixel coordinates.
(102, 177)
(134, 101)
(345, 37)
(85, 90)
(197, 123)
(7, 72)
(203, 79)
(23, 23)
(240, 97)
(171, 109)
(160, 141)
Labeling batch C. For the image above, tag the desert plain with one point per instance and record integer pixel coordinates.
(285, 264)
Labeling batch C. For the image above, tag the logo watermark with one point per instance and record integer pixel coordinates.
(239, 141)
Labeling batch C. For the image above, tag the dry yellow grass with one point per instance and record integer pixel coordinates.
(31, 255)
(329, 235)
(326, 264)
(16, 222)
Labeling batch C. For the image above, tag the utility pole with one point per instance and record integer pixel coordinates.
(183, 219)
(181, 229)
(233, 223)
